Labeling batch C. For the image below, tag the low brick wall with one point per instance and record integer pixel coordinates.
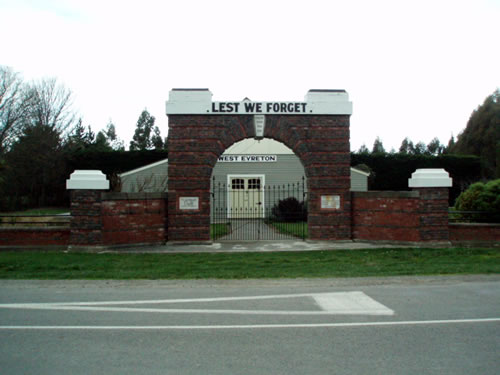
(133, 218)
(474, 233)
(386, 216)
(34, 237)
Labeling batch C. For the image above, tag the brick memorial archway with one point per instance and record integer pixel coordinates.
(200, 130)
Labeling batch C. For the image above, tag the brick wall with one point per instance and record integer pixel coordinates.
(34, 237)
(135, 218)
(386, 216)
(320, 141)
(108, 219)
(420, 215)
(474, 233)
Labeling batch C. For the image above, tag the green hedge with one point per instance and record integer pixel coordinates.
(112, 162)
(393, 170)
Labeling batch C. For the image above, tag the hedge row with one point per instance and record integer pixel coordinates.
(114, 162)
(391, 171)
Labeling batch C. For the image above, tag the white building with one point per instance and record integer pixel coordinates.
(265, 162)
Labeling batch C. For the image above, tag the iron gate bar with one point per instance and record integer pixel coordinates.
(246, 210)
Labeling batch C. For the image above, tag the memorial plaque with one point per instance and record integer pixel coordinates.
(189, 203)
(259, 122)
(330, 202)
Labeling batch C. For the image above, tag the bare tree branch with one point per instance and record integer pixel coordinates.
(52, 105)
(13, 105)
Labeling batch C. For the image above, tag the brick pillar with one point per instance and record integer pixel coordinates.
(433, 186)
(434, 214)
(86, 219)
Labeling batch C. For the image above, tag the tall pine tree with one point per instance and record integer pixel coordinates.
(142, 136)
(481, 136)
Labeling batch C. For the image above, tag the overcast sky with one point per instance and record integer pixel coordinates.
(412, 69)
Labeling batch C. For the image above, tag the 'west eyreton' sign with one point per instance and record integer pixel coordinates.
(248, 158)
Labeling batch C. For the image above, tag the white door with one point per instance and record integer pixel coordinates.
(246, 197)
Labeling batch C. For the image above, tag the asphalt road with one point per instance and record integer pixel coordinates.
(424, 325)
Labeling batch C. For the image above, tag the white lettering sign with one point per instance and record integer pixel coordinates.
(330, 202)
(189, 203)
(248, 159)
(259, 107)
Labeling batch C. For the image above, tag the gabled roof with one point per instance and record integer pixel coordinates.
(360, 172)
(155, 164)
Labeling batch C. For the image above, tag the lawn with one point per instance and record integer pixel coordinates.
(219, 230)
(297, 229)
(312, 264)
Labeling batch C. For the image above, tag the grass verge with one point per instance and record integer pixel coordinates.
(341, 263)
(298, 229)
(219, 230)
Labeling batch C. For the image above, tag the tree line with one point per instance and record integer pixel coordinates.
(407, 148)
(42, 140)
(40, 134)
(481, 138)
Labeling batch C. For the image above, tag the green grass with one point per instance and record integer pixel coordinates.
(219, 230)
(339, 263)
(295, 229)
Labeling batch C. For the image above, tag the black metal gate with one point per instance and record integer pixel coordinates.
(246, 209)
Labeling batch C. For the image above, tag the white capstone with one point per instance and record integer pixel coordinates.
(430, 178)
(199, 101)
(189, 101)
(87, 180)
(335, 102)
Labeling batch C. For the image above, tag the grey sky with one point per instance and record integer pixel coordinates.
(411, 68)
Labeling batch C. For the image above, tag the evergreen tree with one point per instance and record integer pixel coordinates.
(142, 136)
(101, 143)
(156, 139)
(435, 147)
(420, 148)
(481, 136)
(35, 168)
(450, 146)
(112, 138)
(363, 149)
(406, 147)
(378, 147)
(80, 138)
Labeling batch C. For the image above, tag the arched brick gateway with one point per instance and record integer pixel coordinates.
(200, 130)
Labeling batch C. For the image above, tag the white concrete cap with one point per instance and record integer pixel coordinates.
(189, 101)
(329, 101)
(87, 180)
(199, 101)
(430, 178)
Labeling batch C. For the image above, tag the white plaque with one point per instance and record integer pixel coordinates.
(259, 122)
(330, 202)
(189, 203)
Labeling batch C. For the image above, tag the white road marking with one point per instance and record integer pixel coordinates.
(258, 326)
(195, 311)
(342, 303)
(351, 301)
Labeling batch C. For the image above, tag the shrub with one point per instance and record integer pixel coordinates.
(481, 197)
(289, 210)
